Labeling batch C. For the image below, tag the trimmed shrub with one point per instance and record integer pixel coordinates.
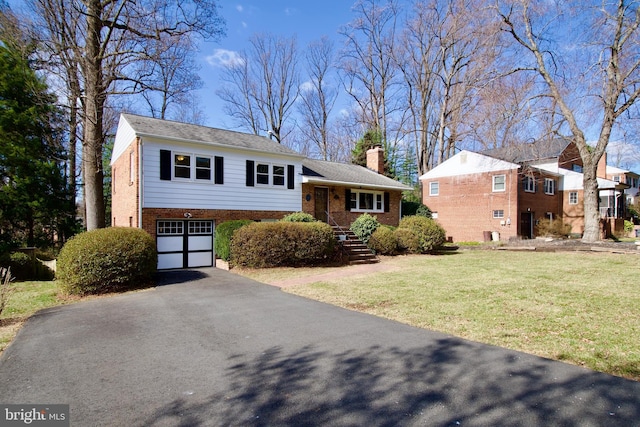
(107, 260)
(553, 228)
(277, 244)
(429, 234)
(364, 226)
(299, 217)
(408, 240)
(224, 233)
(383, 241)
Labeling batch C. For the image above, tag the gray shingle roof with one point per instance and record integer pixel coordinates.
(347, 174)
(147, 126)
(535, 151)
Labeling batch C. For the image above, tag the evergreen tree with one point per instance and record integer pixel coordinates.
(34, 200)
(371, 138)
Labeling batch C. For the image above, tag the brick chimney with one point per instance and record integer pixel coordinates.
(602, 167)
(375, 159)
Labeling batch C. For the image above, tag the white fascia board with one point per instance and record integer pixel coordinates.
(468, 163)
(214, 144)
(316, 180)
(571, 180)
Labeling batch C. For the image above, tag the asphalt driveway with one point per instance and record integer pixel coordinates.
(211, 348)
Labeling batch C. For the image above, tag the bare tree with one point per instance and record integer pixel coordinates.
(369, 71)
(262, 86)
(318, 95)
(592, 86)
(101, 46)
(446, 55)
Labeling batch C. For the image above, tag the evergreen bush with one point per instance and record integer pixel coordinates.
(408, 240)
(224, 233)
(427, 231)
(276, 244)
(383, 241)
(107, 260)
(364, 226)
(299, 217)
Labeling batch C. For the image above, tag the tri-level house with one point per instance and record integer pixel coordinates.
(505, 193)
(178, 181)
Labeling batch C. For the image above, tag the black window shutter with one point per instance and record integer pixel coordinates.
(291, 181)
(386, 201)
(347, 200)
(250, 172)
(165, 165)
(219, 170)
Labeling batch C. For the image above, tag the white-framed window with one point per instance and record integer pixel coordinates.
(529, 184)
(498, 213)
(616, 178)
(278, 175)
(132, 167)
(168, 228)
(573, 198)
(200, 227)
(549, 186)
(270, 174)
(434, 188)
(262, 173)
(499, 183)
(186, 166)
(367, 201)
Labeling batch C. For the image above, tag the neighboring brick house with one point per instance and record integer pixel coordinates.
(178, 181)
(503, 194)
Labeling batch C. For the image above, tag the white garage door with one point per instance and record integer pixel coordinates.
(184, 243)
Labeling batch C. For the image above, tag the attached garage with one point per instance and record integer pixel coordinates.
(184, 243)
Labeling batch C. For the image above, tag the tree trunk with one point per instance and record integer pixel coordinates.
(94, 107)
(591, 200)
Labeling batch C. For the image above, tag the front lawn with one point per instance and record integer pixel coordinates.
(582, 308)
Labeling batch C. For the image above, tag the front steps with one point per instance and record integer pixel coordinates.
(356, 251)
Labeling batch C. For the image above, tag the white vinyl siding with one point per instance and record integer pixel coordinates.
(234, 194)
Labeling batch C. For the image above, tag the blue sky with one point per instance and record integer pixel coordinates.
(307, 20)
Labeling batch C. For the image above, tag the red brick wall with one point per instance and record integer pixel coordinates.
(151, 215)
(569, 157)
(573, 214)
(125, 197)
(540, 203)
(465, 205)
(337, 206)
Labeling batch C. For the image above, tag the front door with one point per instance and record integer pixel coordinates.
(321, 204)
(526, 225)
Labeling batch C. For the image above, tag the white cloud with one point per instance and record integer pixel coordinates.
(239, 8)
(224, 58)
(307, 86)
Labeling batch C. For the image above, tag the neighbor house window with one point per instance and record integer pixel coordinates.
(499, 213)
(499, 182)
(573, 198)
(434, 188)
(529, 184)
(549, 186)
(576, 168)
(616, 178)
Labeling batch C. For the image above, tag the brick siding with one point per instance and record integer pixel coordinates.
(125, 200)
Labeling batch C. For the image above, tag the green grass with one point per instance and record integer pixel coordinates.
(26, 299)
(582, 308)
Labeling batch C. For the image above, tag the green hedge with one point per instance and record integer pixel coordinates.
(275, 244)
(224, 232)
(364, 226)
(383, 241)
(107, 260)
(299, 217)
(426, 232)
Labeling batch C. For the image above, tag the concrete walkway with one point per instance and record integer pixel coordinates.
(210, 348)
